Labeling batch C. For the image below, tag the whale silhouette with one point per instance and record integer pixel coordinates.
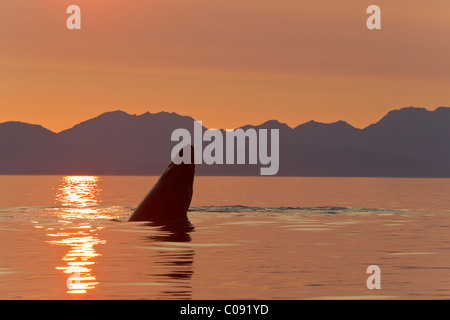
(170, 198)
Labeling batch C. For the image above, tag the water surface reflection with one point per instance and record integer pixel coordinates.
(78, 261)
(174, 259)
(78, 197)
(80, 223)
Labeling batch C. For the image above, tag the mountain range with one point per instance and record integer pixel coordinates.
(410, 142)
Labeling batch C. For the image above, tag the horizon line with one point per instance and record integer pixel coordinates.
(254, 125)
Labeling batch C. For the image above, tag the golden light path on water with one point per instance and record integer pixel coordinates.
(78, 196)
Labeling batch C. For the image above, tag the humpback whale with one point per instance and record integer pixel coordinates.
(169, 199)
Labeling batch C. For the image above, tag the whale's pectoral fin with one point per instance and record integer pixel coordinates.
(171, 196)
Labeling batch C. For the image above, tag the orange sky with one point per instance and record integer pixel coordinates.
(225, 62)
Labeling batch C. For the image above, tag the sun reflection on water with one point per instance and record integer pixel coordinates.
(78, 197)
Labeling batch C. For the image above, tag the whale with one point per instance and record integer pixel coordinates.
(169, 199)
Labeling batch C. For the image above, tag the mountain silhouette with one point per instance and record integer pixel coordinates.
(313, 133)
(32, 149)
(411, 132)
(118, 142)
(410, 142)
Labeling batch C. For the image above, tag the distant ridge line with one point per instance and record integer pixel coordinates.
(407, 142)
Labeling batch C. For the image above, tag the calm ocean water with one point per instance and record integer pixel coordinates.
(251, 238)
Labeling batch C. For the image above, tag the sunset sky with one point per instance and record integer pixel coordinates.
(225, 62)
